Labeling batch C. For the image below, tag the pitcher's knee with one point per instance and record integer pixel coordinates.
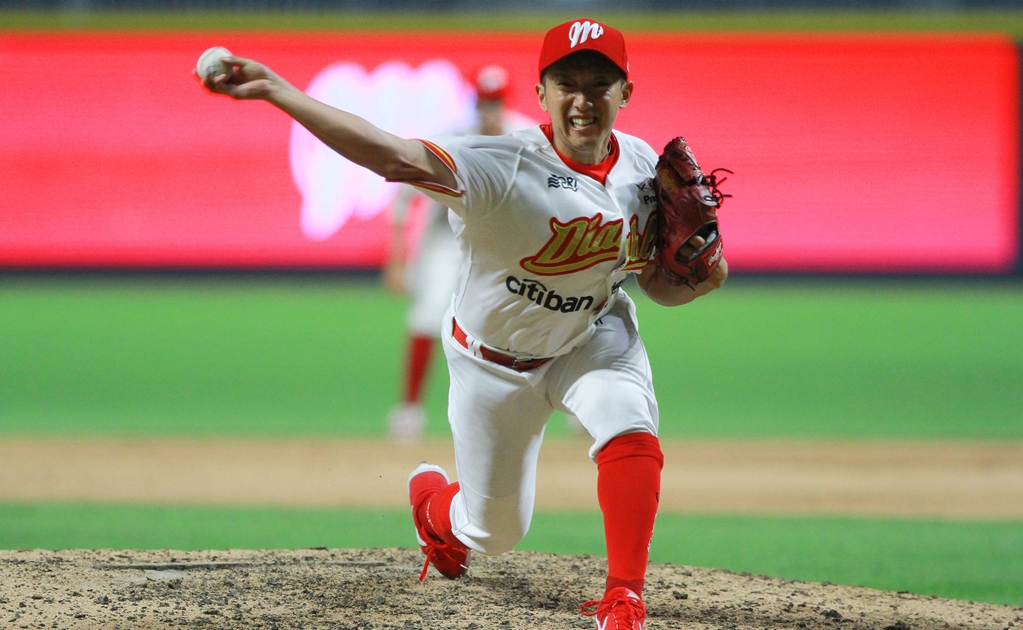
(491, 542)
(603, 437)
(491, 525)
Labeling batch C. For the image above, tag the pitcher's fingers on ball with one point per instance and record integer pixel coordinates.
(244, 70)
(210, 83)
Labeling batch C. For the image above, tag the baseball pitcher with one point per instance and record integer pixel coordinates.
(550, 221)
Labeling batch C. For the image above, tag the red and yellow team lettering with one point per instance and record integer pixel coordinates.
(640, 245)
(584, 242)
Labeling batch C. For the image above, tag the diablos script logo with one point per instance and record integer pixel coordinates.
(587, 241)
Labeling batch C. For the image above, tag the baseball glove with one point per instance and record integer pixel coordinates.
(687, 202)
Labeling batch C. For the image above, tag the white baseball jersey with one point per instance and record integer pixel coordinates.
(544, 249)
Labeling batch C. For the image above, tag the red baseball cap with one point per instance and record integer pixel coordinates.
(583, 34)
(492, 83)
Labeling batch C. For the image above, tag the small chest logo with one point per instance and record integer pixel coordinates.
(559, 181)
(579, 32)
(646, 191)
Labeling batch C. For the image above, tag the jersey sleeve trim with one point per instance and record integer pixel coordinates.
(449, 162)
(442, 154)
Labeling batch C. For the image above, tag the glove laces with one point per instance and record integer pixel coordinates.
(712, 182)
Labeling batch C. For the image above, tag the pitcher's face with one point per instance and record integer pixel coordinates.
(582, 94)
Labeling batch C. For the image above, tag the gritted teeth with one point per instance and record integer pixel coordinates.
(582, 122)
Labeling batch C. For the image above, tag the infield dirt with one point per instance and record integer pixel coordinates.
(940, 479)
(379, 588)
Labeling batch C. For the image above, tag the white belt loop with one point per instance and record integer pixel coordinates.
(474, 346)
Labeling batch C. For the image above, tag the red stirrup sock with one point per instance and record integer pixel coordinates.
(417, 361)
(629, 488)
(435, 514)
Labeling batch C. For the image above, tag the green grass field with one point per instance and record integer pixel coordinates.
(258, 357)
(302, 357)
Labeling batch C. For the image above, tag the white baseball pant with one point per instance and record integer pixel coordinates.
(498, 416)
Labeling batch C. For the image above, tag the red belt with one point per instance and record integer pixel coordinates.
(494, 356)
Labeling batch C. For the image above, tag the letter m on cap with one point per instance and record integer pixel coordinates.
(579, 32)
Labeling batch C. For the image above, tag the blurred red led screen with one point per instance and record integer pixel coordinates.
(850, 153)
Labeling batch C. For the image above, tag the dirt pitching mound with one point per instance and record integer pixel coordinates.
(380, 588)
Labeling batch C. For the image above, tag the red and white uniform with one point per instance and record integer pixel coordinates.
(544, 250)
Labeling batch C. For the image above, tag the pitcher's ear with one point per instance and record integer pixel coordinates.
(627, 93)
(541, 96)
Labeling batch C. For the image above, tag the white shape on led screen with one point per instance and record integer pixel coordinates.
(410, 103)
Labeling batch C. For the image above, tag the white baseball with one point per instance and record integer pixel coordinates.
(211, 63)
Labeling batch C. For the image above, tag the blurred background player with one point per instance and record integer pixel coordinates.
(430, 273)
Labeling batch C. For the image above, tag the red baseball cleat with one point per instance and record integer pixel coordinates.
(450, 557)
(621, 609)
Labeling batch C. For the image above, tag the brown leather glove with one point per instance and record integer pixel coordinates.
(687, 203)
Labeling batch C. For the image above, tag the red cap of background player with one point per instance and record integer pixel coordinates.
(492, 83)
(582, 34)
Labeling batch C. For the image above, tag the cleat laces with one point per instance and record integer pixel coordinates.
(432, 549)
(630, 610)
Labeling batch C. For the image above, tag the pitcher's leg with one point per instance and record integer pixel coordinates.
(628, 489)
(497, 423)
(607, 385)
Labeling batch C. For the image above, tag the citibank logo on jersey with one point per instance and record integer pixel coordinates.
(535, 291)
